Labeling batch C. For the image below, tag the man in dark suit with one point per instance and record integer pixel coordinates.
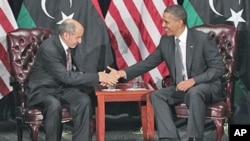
(199, 82)
(53, 83)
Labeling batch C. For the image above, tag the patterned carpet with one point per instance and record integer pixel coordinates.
(118, 128)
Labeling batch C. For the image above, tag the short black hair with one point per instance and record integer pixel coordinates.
(177, 11)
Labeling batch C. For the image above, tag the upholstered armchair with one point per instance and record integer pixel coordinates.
(22, 47)
(225, 37)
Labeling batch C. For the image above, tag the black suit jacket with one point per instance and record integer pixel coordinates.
(49, 73)
(203, 61)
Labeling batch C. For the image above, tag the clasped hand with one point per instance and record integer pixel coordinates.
(106, 79)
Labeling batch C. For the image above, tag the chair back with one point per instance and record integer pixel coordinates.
(23, 44)
(226, 38)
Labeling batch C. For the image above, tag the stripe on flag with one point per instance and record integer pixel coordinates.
(135, 30)
(7, 24)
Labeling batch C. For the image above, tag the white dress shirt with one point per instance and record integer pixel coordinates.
(183, 41)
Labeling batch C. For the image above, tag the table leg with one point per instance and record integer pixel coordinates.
(150, 119)
(96, 124)
(144, 121)
(101, 119)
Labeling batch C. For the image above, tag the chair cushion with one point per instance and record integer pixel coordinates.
(33, 114)
(65, 115)
(215, 110)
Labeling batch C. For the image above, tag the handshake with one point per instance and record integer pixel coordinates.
(109, 79)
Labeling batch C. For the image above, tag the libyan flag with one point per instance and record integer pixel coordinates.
(94, 53)
(231, 12)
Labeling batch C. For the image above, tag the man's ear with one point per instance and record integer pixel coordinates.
(65, 35)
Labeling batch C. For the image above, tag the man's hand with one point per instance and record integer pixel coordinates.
(107, 79)
(185, 85)
(116, 73)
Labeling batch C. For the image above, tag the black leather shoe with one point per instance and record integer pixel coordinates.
(174, 140)
(195, 139)
(169, 139)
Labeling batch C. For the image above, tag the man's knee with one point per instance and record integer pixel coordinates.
(83, 103)
(153, 96)
(86, 101)
(52, 104)
(194, 95)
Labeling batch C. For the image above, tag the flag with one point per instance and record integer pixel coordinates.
(7, 24)
(94, 53)
(135, 28)
(231, 12)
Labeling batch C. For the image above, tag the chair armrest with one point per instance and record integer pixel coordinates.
(15, 84)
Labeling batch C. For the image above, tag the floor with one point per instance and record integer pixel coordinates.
(118, 128)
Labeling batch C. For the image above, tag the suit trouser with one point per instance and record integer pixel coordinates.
(79, 106)
(163, 100)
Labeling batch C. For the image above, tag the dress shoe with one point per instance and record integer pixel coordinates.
(169, 139)
(164, 139)
(195, 139)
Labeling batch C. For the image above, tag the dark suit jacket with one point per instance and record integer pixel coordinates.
(49, 73)
(203, 61)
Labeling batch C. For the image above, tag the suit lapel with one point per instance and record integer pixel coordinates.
(190, 46)
(171, 54)
(60, 48)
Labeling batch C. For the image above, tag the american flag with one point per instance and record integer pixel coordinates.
(7, 24)
(135, 30)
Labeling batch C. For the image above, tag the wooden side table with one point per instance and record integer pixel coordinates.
(123, 93)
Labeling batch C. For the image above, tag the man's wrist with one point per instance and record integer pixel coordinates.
(122, 73)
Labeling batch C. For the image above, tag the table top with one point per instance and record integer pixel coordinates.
(124, 87)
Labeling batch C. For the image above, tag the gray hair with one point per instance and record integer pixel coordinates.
(67, 26)
(178, 12)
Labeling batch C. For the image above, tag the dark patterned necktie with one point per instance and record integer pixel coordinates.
(68, 59)
(178, 62)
